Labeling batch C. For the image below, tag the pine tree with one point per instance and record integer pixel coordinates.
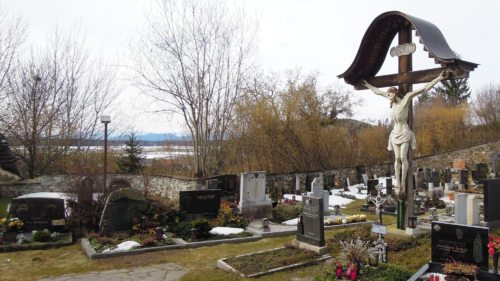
(453, 92)
(131, 161)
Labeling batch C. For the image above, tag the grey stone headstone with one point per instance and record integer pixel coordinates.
(419, 180)
(254, 201)
(472, 210)
(461, 208)
(365, 179)
(123, 206)
(311, 228)
(496, 164)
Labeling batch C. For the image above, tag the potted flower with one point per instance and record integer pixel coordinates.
(494, 250)
(12, 227)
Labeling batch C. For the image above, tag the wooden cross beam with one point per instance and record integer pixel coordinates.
(412, 77)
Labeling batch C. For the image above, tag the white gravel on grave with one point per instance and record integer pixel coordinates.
(124, 246)
(220, 230)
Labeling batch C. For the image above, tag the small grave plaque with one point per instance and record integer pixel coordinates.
(463, 243)
(200, 202)
(379, 228)
(311, 228)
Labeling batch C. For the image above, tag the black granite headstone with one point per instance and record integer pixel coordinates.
(311, 227)
(360, 170)
(435, 178)
(200, 202)
(123, 206)
(39, 213)
(481, 171)
(462, 243)
(372, 187)
(388, 185)
(447, 175)
(463, 177)
(329, 181)
(491, 199)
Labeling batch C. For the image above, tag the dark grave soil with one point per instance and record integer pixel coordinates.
(268, 260)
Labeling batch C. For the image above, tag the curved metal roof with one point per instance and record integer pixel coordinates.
(379, 36)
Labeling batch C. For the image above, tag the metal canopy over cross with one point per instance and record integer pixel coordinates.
(372, 53)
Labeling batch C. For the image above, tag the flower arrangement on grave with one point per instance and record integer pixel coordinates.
(11, 224)
(356, 251)
(459, 268)
(493, 245)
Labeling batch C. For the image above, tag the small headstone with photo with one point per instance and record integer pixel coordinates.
(310, 228)
(460, 243)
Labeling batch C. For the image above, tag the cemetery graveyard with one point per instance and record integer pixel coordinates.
(429, 223)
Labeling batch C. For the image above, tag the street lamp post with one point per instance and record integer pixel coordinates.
(106, 119)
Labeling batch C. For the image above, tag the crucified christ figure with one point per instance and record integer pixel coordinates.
(402, 137)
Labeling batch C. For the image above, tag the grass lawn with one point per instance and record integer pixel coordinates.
(201, 262)
(3, 206)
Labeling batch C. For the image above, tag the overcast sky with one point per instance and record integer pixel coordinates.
(313, 35)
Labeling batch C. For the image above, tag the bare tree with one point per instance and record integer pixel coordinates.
(12, 35)
(486, 106)
(193, 59)
(52, 101)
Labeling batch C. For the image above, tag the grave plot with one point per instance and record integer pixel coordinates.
(131, 223)
(35, 221)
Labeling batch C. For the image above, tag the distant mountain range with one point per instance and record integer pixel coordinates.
(156, 137)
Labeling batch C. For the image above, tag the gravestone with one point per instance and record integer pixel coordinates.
(419, 180)
(310, 228)
(447, 175)
(39, 211)
(460, 208)
(319, 192)
(461, 243)
(297, 184)
(388, 185)
(85, 192)
(360, 171)
(496, 164)
(491, 201)
(427, 175)
(365, 179)
(372, 187)
(200, 202)
(329, 181)
(472, 210)
(435, 178)
(123, 208)
(464, 177)
(254, 201)
(481, 171)
(459, 164)
(309, 180)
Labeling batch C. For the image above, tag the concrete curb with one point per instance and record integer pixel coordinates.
(27, 247)
(289, 232)
(221, 264)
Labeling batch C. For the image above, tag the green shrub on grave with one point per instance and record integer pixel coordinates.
(42, 236)
(284, 212)
(203, 226)
(384, 272)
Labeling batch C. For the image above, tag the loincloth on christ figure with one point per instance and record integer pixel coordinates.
(400, 138)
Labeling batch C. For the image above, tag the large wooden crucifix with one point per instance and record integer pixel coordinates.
(370, 57)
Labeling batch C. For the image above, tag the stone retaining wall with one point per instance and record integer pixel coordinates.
(285, 183)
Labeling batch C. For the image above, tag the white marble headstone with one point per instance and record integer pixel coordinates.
(472, 210)
(461, 208)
